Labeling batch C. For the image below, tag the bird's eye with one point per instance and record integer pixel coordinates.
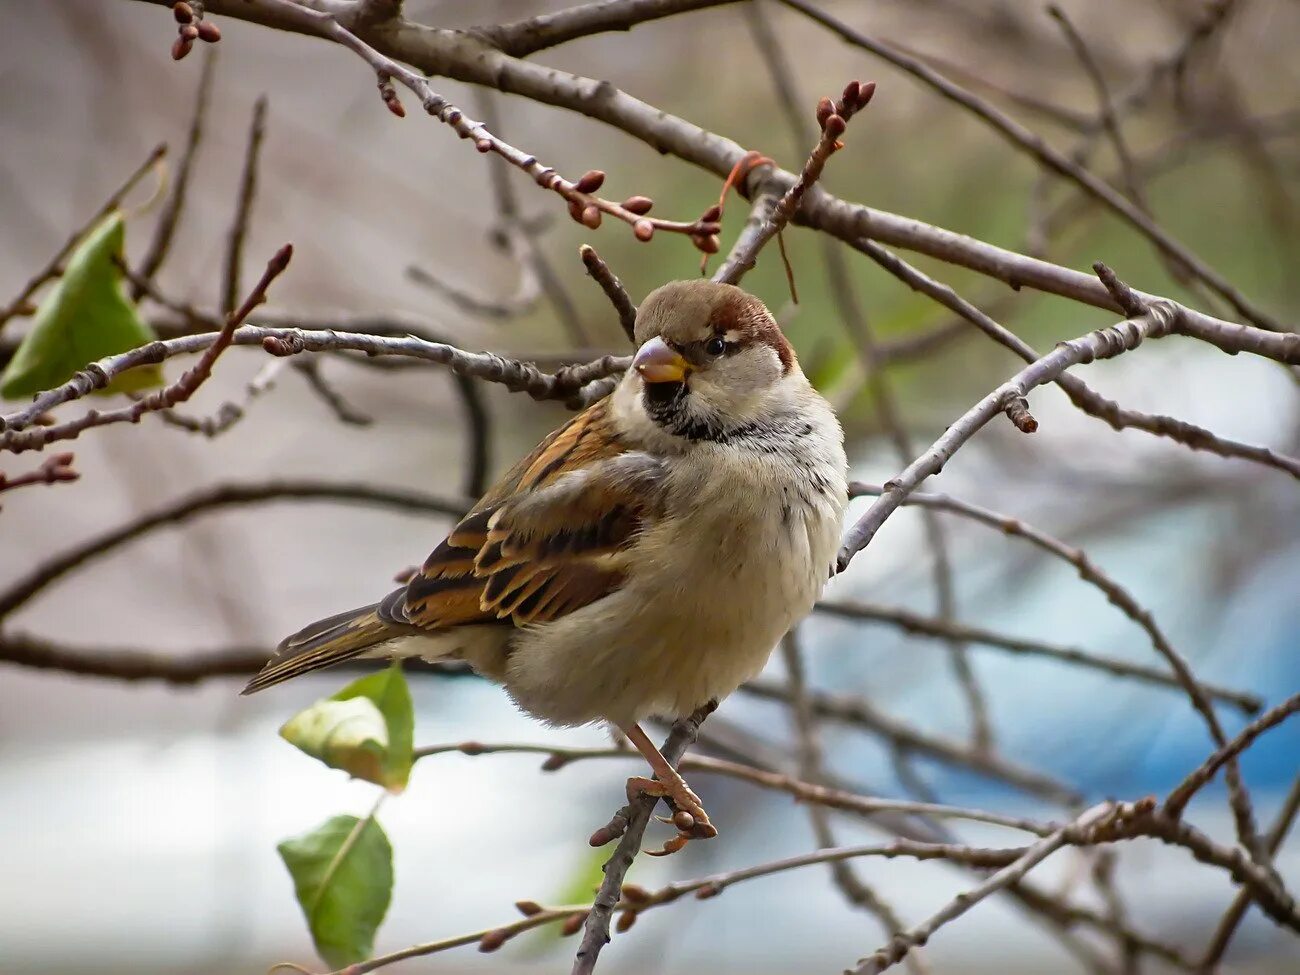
(715, 346)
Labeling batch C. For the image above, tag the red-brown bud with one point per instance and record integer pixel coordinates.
(575, 210)
(825, 109)
(189, 32)
(483, 145)
(554, 763)
(591, 216)
(643, 229)
(708, 244)
(835, 126)
(865, 94)
(180, 48)
(528, 908)
(590, 181)
(573, 923)
(635, 894)
(493, 940)
(640, 205)
(183, 12)
(712, 215)
(394, 103)
(707, 891)
(208, 31)
(625, 921)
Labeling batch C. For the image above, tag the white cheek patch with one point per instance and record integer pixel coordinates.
(731, 336)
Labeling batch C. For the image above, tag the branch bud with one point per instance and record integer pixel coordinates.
(825, 109)
(635, 894)
(528, 908)
(183, 12)
(208, 31)
(591, 216)
(643, 229)
(573, 923)
(625, 921)
(180, 48)
(640, 205)
(493, 940)
(708, 243)
(590, 181)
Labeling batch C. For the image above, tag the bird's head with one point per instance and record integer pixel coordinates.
(711, 356)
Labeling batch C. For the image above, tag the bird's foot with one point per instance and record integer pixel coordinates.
(689, 817)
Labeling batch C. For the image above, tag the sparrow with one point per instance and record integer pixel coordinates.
(647, 556)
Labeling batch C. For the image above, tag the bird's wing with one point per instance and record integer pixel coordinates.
(546, 539)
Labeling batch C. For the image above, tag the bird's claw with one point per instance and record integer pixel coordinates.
(689, 817)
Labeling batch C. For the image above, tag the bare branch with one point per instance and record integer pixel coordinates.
(1228, 925)
(899, 947)
(243, 209)
(525, 37)
(160, 242)
(577, 386)
(942, 629)
(213, 498)
(613, 288)
(860, 713)
(55, 469)
(1182, 794)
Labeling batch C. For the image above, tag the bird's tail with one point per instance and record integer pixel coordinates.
(325, 643)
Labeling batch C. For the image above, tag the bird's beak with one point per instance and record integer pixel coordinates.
(657, 363)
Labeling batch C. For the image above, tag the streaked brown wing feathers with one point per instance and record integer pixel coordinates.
(532, 549)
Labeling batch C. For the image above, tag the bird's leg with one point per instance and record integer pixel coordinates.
(691, 820)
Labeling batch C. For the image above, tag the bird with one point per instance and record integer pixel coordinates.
(645, 559)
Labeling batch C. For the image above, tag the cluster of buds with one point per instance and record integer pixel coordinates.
(190, 26)
(833, 117)
(586, 208)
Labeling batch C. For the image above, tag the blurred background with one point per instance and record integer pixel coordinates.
(139, 821)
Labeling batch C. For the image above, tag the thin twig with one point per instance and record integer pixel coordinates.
(613, 288)
(903, 943)
(940, 629)
(55, 469)
(833, 118)
(231, 267)
(160, 243)
(860, 713)
(218, 497)
(1228, 924)
(855, 891)
(1182, 794)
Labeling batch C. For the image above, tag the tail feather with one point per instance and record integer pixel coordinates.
(323, 644)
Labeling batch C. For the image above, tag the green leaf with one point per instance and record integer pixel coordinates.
(85, 317)
(367, 729)
(343, 877)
